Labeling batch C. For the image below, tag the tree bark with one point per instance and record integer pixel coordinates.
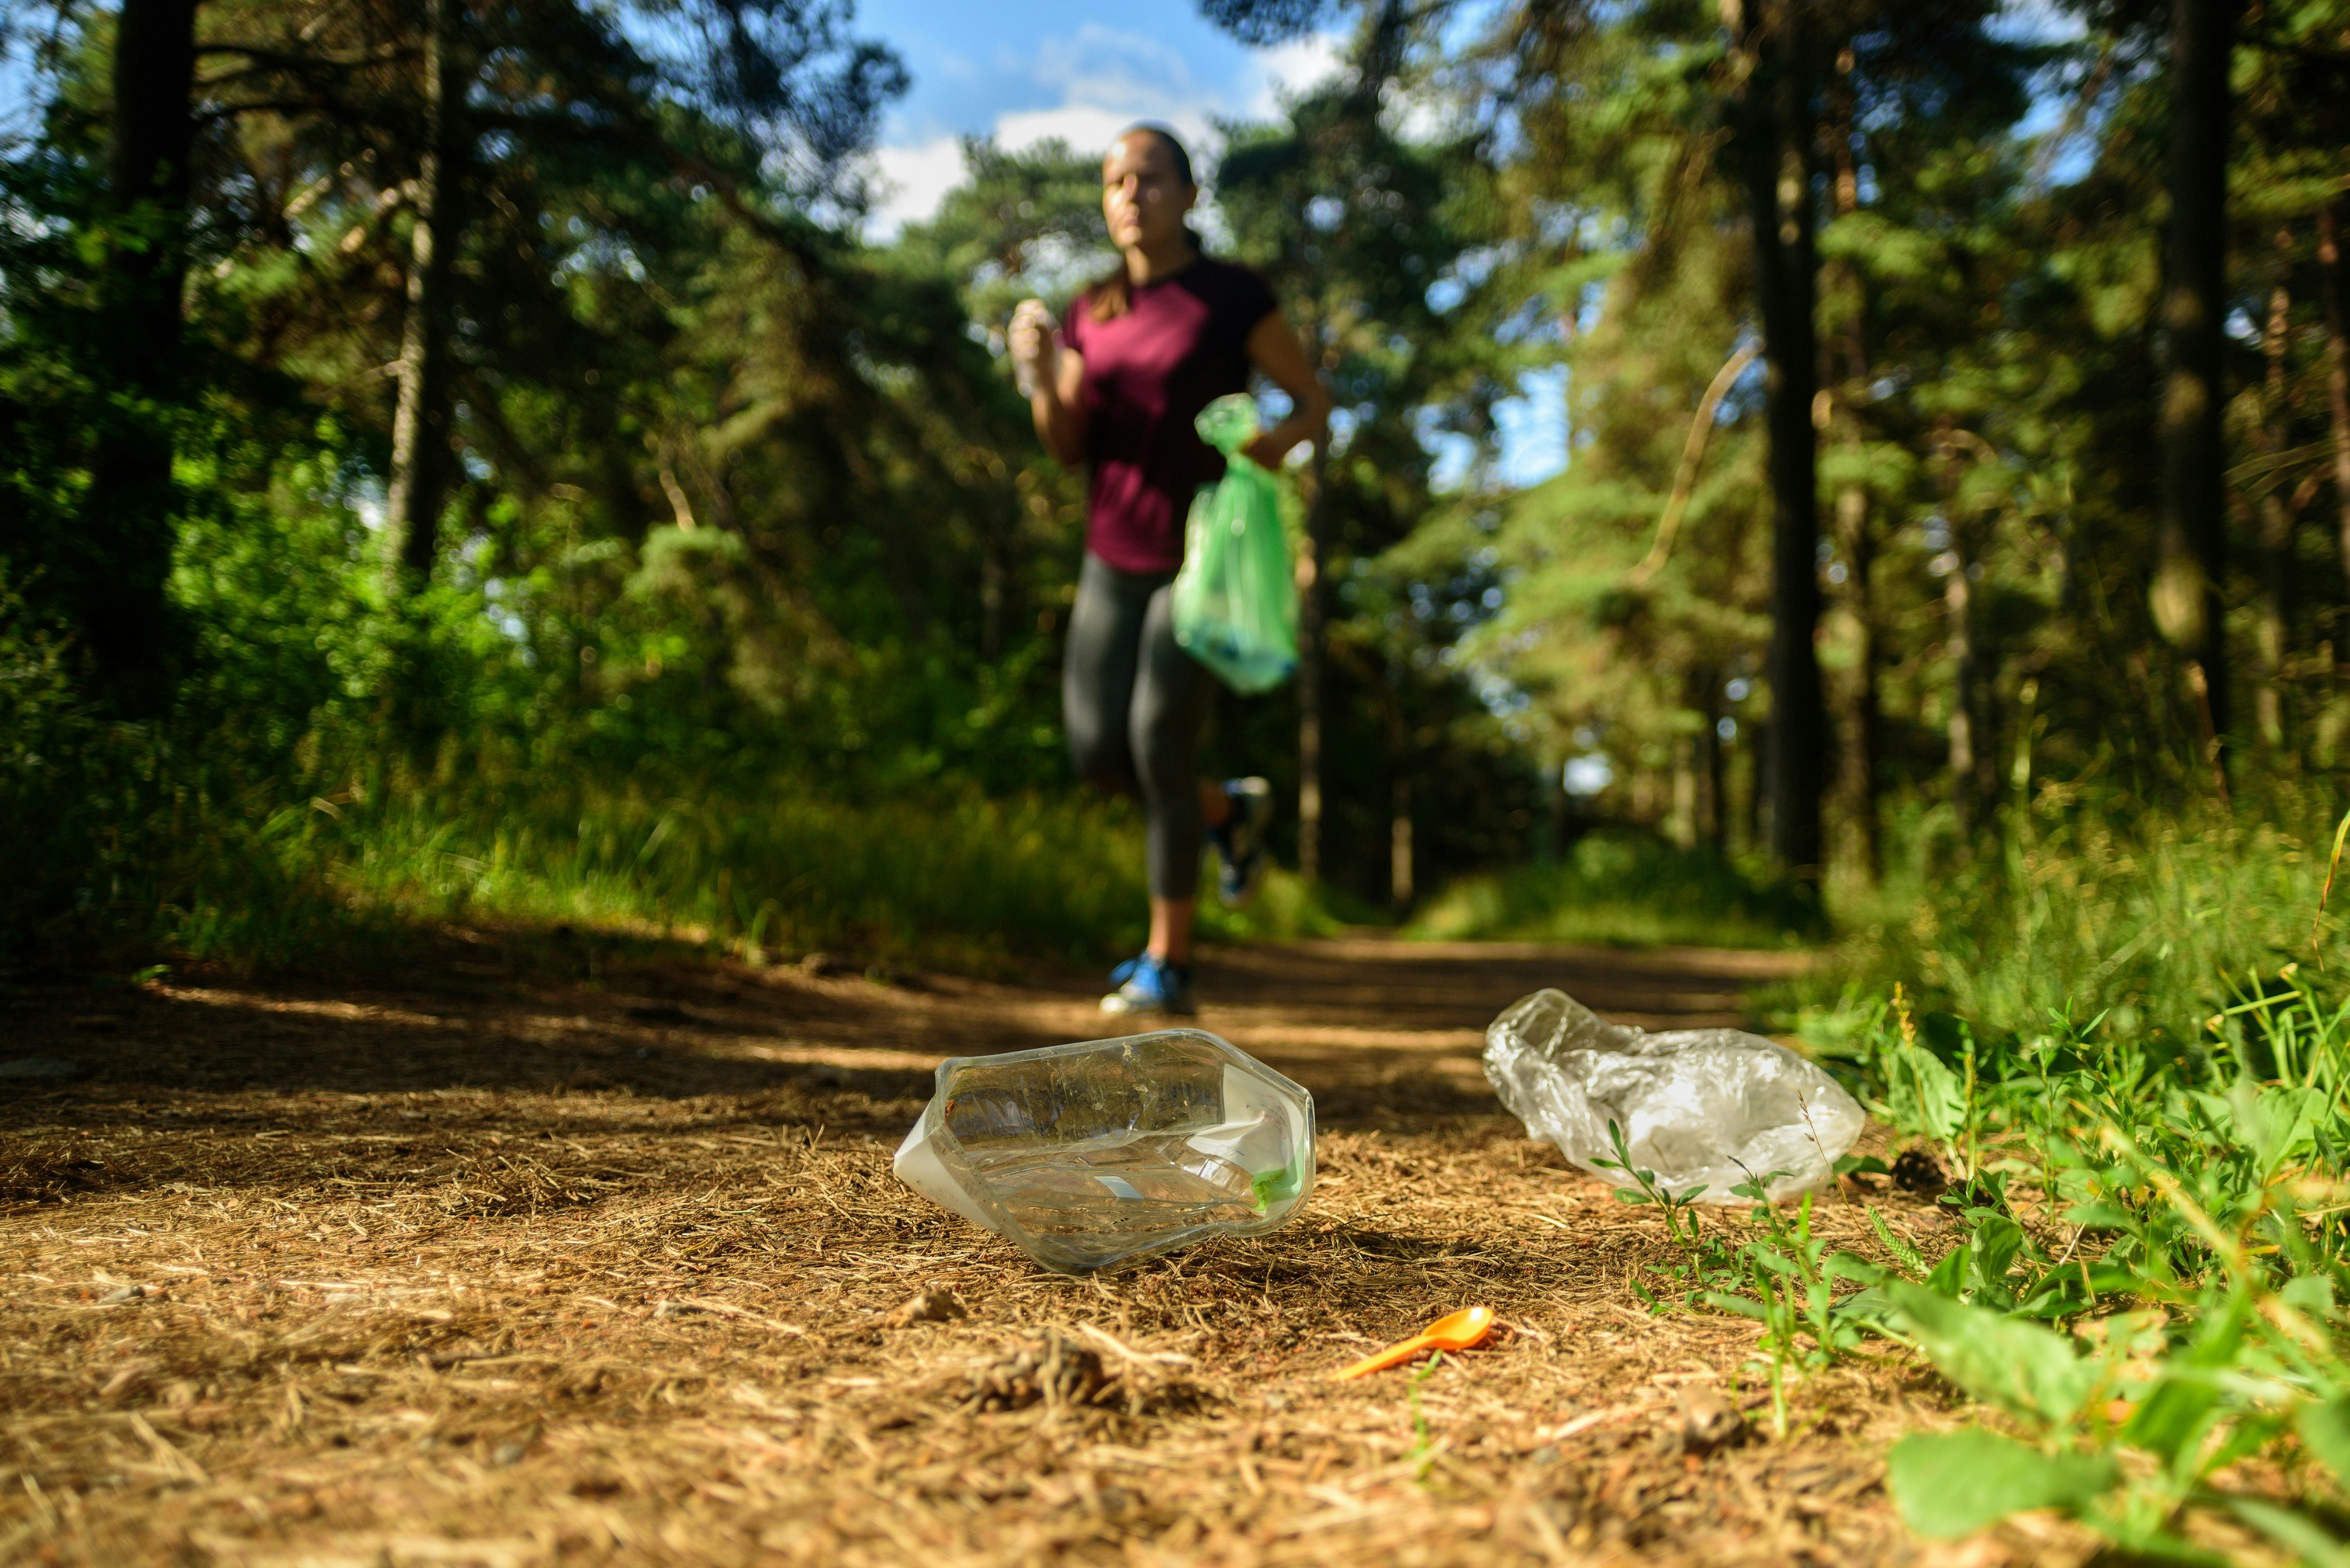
(1863, 720)
(1713, 800)
(1310, 671)
(2190, 538)
(128, 507)
(422, 458)
(1958, 609)
(2277, 519)
(1400, 888)
(1777, 133)
(2337, 363)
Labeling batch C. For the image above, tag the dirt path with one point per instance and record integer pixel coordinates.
(508, 1266)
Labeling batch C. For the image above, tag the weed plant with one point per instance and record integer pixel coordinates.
(2145, 1288)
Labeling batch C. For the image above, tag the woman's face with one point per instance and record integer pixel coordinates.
(1143, 198)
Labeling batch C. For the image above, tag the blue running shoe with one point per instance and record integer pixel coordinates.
(1152, 985)
(1125, 972)
(1241, 855)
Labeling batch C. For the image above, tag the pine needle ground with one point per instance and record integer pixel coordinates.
(509, 1266)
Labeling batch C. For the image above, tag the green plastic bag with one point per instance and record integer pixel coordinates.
(1236, 596)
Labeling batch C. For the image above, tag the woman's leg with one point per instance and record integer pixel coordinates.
(1098, 672)
(1171, 702)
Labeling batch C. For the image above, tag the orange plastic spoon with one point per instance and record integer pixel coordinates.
(1457, 1330)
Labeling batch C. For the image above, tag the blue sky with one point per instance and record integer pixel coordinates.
(1063, 67)
(1082, 71)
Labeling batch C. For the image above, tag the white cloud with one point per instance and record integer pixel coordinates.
(1287, 70)
(1089, 86)
(911, 181)
(1087, 126)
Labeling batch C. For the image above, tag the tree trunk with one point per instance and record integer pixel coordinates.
(1713, 800)
(1309, 673)
(1400, 868)
(127, 511)
(2277, 518)
(1776, 126)
(1958, 607)
(1864, 718)
(2330, 262)
(1680, 819)
(422, 458)
(2190, 541)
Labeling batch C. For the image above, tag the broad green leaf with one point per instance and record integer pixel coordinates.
(2173, 1418)
(2325, 1432)
(1948, 1484)
(2310, 1294)
(1722, 1301)
(1869, 1309)
(2274, 1122)
(1852, 1266)
(1991, 1250)
(1922, 1094)
(2007, 1361)
(2176, 1412)
(1950, 1275)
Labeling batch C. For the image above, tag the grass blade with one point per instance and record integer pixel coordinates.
(2333, 865)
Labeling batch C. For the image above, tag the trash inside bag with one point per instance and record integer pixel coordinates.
(1085, 1155)
(1708, 1108)
(1236, 595)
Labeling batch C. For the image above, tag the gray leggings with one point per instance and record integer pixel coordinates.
(1133, 702)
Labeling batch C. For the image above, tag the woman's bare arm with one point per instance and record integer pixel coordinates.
(1274, 348)
(1058, 404)
(1061, 426)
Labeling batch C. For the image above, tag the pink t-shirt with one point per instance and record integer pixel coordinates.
(1182, 343)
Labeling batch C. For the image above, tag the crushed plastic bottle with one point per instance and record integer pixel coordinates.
(1708, 1108)
(1085, 1155)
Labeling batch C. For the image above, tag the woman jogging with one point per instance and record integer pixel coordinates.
(1116, 389)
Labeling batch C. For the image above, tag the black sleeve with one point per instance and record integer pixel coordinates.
(1252, 299)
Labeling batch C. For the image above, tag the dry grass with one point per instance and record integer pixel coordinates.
(500, 1270)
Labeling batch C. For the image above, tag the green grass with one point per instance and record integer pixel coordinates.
(2112, 1028)
(2093, 906)
(1623, 886)
(280, 876)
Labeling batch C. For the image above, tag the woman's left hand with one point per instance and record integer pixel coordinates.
(1274, 348)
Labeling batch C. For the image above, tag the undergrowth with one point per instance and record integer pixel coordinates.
(1622, 886)
(2135, 1078)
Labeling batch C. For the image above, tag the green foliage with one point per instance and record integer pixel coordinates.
(1948, 1484)
(2154, 917)
(2178, 1208)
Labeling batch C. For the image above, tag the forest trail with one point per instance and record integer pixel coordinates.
(507, 1266)
(1351, 1018)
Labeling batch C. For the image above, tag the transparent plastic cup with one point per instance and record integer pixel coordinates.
(1086, 1155)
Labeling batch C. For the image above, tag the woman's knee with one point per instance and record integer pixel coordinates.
(1100, 759)
(1166, 749)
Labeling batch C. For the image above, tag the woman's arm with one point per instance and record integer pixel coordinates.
(1274, 348)
(1057, 404)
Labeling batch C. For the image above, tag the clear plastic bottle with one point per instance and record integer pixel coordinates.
(1046, 372)
(1701, 1109)
(1088, 1154)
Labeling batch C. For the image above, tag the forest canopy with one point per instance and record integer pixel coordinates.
(496, 429)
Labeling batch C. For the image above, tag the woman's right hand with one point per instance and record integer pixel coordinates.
(1032, 340)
